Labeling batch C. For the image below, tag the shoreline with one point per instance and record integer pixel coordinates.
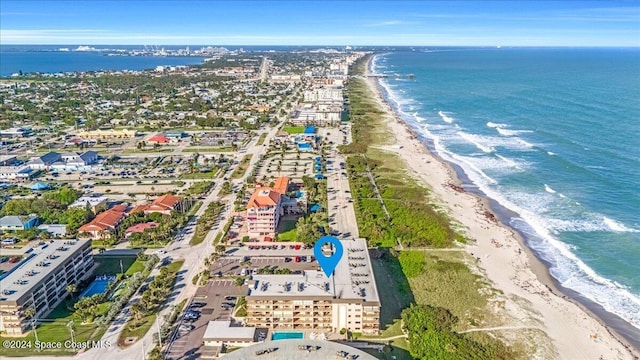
(575, 329)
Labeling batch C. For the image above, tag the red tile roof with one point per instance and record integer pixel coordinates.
(165, 202)
(107, 220)
(159, 139)
(263, 197)
(141, 227)
(138, 208)
(281, 185)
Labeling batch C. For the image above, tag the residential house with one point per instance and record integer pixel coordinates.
(18, 222)
(164, 204)
(55, 230)
(95, 203)
(9, 160)
(104, 223)
(16, 173)
(139, 228)
(44, 161)
(83, 160)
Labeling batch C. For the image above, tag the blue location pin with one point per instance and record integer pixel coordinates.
(328, 263)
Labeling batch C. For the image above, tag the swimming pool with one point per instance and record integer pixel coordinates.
(287, 335)
(96, 287)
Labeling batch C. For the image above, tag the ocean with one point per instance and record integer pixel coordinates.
(551, 135)
(49, 58)
(46, 59)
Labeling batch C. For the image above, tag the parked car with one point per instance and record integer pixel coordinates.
(297, 259)
(230, 298)
(186, 327)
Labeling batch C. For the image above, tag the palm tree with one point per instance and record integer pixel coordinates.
(29, 313)
(72, 288)
(137, 310)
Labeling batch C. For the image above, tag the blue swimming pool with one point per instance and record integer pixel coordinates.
(287, 335)
(98, 286)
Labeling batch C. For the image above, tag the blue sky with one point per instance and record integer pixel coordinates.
(522, 23)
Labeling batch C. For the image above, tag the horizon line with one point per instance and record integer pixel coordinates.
(342, 45)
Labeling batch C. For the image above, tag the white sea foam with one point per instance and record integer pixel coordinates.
(474, 139)
(445, 117)
(490, 143)
(616, 225)
(510, 162)
(570, 271)
(507, 132)
(495, 125)
(535, 211)
(565, 265)
(550, 153)
(548, 189)
(524, 143)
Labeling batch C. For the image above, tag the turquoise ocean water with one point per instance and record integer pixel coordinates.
(550, 134)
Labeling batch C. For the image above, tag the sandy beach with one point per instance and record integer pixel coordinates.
(529, 300)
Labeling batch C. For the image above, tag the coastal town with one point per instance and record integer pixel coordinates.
(173, 213)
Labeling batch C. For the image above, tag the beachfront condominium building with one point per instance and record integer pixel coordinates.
(40, 281)
(311, 301)
(265, 207)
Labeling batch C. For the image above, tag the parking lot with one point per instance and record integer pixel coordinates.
(233, 267)
(188, 343)
(251, 251)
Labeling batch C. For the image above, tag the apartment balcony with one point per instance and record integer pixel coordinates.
(282, 326)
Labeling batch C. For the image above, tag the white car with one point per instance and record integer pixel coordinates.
(243, 272)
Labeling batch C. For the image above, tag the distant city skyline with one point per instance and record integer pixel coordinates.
(402, 23)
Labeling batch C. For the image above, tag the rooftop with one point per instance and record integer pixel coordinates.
(222, 330)
(281, 185)
(354, 275)
(310, 283)
(92, 200)
(288, 349)
(263, 196)
(37, 263)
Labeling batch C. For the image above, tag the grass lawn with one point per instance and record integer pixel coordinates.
(201, 175)
(293, 129)
(143, 325)
(54, 329)
(207, 149)
(194, 209)
(446, 281)
(109, 265)
(287, 230)
(394, 298)
(196, 239)
(139, 151)
(137, 266)
(242, 167)
(261, 139)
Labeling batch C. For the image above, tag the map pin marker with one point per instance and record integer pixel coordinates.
(328, 263)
